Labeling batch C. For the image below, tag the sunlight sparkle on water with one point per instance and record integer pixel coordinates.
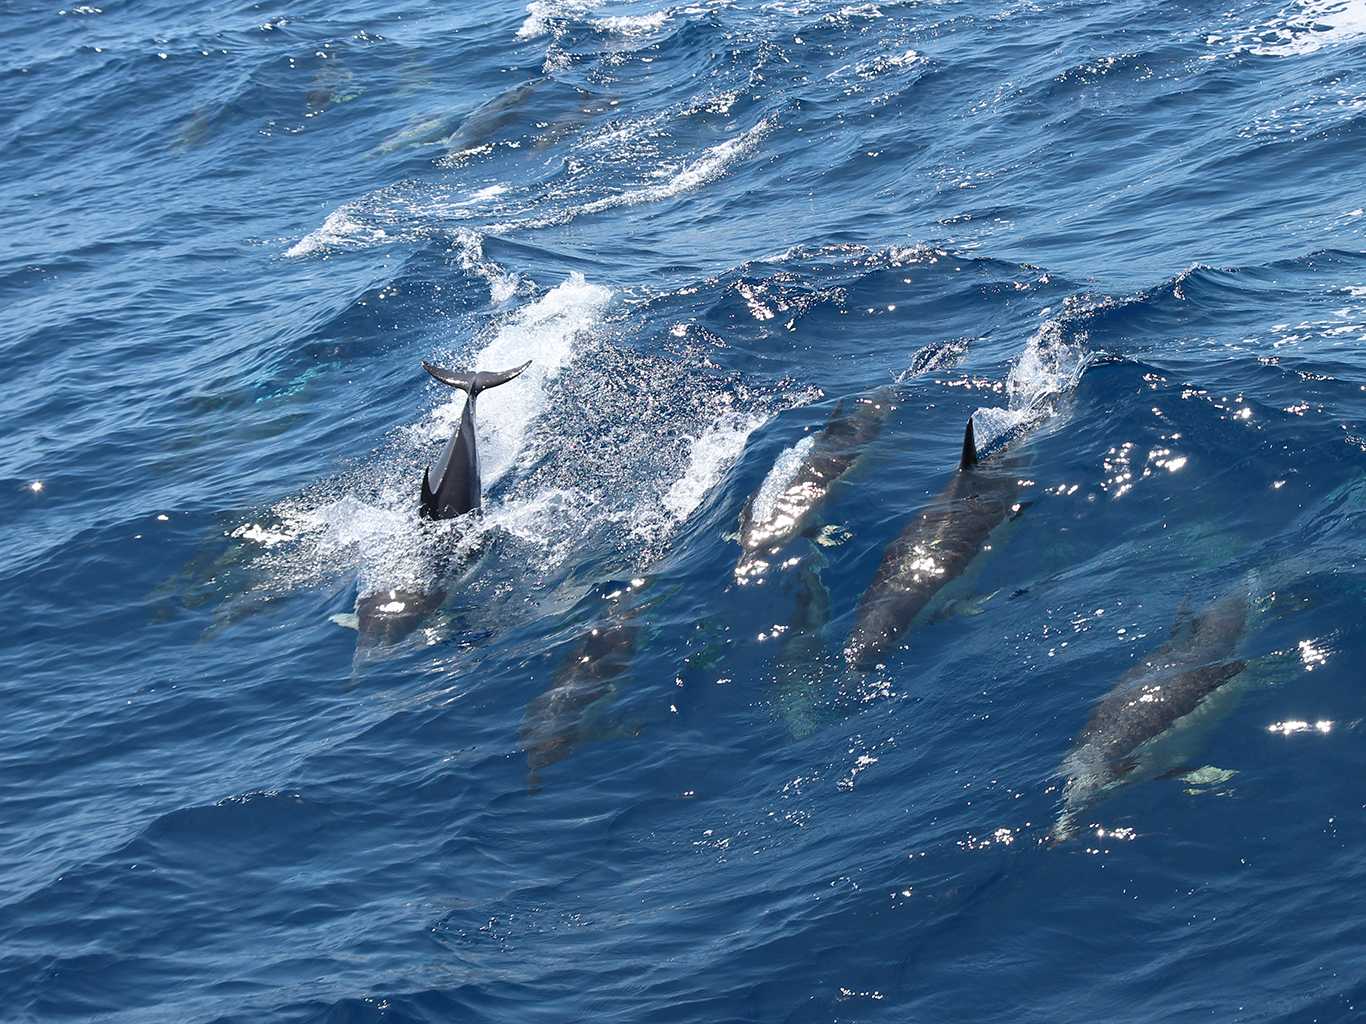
(1322, 726)
(1312, 655)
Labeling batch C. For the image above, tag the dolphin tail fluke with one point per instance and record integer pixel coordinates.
(473, 383)
(969, 449)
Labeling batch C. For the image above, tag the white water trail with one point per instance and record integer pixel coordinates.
(550, 332)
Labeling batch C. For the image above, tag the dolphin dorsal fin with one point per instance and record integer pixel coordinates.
(426, 503)
(1183, 622)
(473, 383)
(969, 449)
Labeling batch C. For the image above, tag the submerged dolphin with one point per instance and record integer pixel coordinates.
(478, 129)
(586, 682)
(789, 501)
(1152, 701)
(934, 549)
(457, 488)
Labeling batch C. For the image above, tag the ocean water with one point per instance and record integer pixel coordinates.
(611, 779)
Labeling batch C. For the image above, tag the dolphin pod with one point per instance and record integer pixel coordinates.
(783, 509)
(1133, 732)
(1124, 741)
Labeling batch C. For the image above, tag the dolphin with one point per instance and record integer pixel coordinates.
(477, 129)
(772, 520)
(574, 119)
(457, 489)
(386, 616)
(585, 683)
(801, 654)
(936, 547)
(1151, 702)
(790, 499)
(421, 130)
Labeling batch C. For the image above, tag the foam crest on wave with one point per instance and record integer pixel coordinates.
(548, 17)
(1304, 27)
(552, 18)
(709, 456)
(385, 542)
(343, 228)
(712, 164)
(634, 25)
(1049, 367)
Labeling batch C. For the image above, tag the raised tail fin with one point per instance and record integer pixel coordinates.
(473, 383)
(969, 449)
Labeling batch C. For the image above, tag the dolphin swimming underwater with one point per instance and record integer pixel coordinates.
(935, 548)
(586, 682)
(384, 617)
(1150, 702)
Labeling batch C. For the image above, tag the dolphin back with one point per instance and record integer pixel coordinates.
(473, 382)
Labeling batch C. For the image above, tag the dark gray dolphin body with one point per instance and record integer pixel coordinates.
(1149, 702)
(771, 521)
(934, 549)
(478, 129)
(457, 489)
(387, 616)
(585, 683)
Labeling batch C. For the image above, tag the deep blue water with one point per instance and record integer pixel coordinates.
(232, 233)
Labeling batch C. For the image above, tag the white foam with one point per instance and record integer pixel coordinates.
(1048, 367)
(634, 25)
(469, 247)
(1304, 27)
(550, 332)
(395, 214)
(712, 164)
(709, 457)
(388, 546)
(528, 519)
(341, 230)
(542, 16)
